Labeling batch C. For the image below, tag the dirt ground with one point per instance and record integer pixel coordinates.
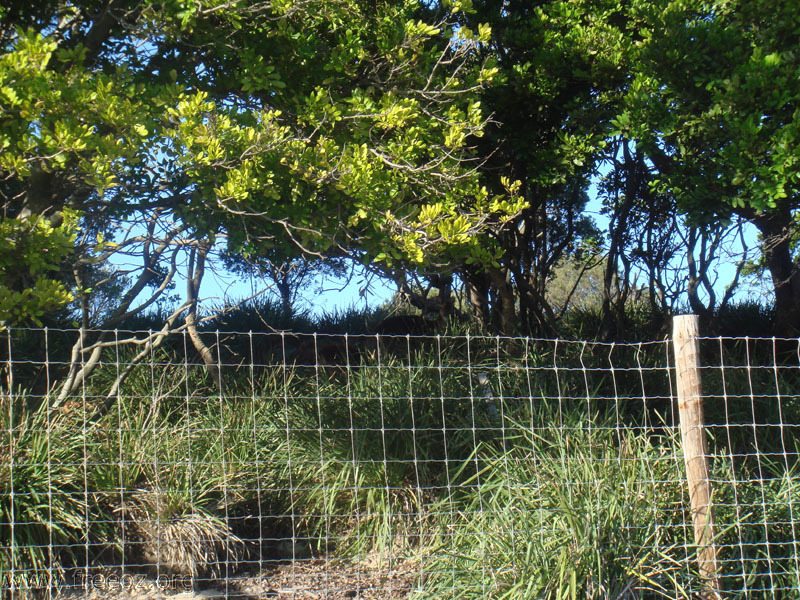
(301, 580)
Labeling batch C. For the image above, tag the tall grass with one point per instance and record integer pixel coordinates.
(572, 512)
(44, 509)
(557, 493)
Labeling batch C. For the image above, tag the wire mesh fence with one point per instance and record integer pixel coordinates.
(336, 466)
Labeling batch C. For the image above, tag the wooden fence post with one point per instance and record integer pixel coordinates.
(690, 405)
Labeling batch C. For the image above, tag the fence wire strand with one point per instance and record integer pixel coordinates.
(344, 466)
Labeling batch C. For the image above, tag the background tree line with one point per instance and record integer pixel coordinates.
(448, 146)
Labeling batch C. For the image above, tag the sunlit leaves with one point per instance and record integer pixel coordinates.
(31, 250)
(359, 138)
(459, 5)
(300, 128)
(420, 29)
(67, 117)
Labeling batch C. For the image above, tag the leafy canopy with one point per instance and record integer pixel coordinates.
(335, 127)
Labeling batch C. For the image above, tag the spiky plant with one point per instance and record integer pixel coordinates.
(174, 537)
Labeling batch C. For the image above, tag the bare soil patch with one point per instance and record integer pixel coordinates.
(316, 579)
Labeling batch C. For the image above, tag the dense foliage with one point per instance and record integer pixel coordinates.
(338, 129)
(452, 147)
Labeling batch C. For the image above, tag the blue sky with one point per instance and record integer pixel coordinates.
(324, 294)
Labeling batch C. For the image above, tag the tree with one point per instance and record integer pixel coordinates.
(62, 131)
(331, 127)
(286, 277)
(713, 105)
(653, 245)
(558, 62)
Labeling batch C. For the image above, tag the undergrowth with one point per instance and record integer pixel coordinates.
(505, 477)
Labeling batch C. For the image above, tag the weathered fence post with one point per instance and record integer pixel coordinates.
(690, 406)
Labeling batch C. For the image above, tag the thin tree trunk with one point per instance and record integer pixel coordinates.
(81, 366)
(197, 261)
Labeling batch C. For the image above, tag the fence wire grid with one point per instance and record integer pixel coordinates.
(277, 465)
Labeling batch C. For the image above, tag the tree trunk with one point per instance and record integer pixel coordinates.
(776, 229)
(197, 259)
(505, 292)
(477, 288)
(697, 276)
(285, 290)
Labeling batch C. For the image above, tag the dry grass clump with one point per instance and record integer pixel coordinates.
(178, 539)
